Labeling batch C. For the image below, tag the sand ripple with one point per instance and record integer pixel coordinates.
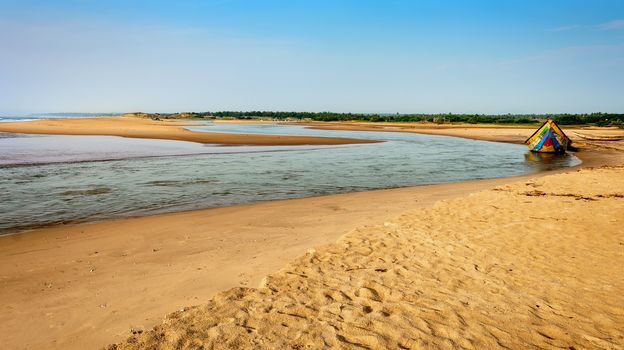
(527, 265)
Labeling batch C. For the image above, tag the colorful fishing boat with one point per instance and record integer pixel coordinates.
(549, 138)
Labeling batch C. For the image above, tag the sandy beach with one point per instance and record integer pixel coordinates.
(84, 286)
(88, 285)
(163, 129)
(194, 175)
(515, 266)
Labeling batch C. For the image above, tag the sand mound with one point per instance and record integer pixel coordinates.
(528, 265)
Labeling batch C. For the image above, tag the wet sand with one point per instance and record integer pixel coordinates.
(84, 286)
(164, 129)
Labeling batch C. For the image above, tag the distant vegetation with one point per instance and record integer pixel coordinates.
(599, 119)
(73, 114)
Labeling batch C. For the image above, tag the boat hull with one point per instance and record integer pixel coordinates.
(549, 138)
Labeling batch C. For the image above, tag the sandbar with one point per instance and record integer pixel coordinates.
(162, 129)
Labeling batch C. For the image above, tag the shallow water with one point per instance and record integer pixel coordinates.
(25, 118)
(154, 181)
(18, 149)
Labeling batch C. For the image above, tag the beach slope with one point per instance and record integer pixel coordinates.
(533, 264)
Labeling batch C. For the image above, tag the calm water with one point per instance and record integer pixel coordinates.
(25, 118)
(51, 179)
(16, 149)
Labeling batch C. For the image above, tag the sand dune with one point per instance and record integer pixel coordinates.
(165, 129)
(533, 264)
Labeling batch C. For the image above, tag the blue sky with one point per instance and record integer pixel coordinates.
(390, 56)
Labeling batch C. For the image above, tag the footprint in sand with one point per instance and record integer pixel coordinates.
(244, 280)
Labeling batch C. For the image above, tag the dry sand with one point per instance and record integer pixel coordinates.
(165, 129)
(533, 264)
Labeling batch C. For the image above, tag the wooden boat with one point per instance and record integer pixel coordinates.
(599, 138)
(548, 138)
(543, 158)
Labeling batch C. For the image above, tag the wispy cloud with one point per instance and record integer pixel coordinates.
(565, 28)
(615, 24)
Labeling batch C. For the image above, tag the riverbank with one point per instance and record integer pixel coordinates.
(86, 285)
(83, 286)
(161, 129)
(519, 265)
(486, 132)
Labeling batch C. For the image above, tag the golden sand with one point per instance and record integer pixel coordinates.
(533, 264)
(85, 286)
(165, 129)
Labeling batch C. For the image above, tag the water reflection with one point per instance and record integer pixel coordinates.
(550, 161)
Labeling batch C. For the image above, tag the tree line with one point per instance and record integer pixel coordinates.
(600, 119)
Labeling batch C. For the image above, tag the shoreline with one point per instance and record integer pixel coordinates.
(589, 158)
(131, 272)
(89, 284)
(517, 265)
(28, 229)
(49, 275)
(516, 134)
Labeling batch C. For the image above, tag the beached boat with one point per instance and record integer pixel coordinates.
(599, 138)
(548, 138)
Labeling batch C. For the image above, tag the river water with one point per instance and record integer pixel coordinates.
(54, 179)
